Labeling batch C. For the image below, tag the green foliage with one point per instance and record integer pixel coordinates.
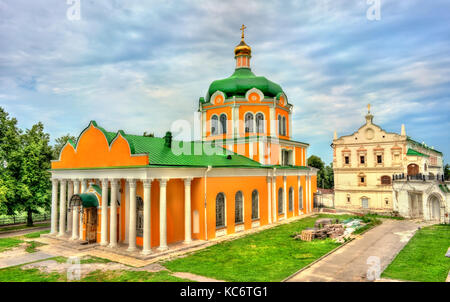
(60, 142)
(148, 134)
(423, 258)
(325, 175)
(24, 176)
(447, 172)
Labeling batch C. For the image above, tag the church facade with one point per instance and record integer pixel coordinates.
(367, 162)
(116, 188)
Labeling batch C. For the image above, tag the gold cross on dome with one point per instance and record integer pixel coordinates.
(243, 27)
(368, 108)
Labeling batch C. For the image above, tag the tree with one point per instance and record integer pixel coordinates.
(148, 134)
(60, 143)
(33, 185)
(9, 145)
(325, 175)
(447, 171)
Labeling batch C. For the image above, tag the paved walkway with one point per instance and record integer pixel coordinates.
(22, 232)
(25, 258)
(350, 263)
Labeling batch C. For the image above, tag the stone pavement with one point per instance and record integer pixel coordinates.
(24, 258)
(373, 251)
(15, 233)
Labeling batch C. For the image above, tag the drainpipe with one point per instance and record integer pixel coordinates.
(206, 217)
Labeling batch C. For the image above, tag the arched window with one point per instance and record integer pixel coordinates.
(223, 124)
(291, 199)
(300, 198)
(284, 125)
(139, 216)
(280, 127)
(220, 210)
(238, 208)
(255, 204)
(260, 123)
(214, 125)
(248, 123)
(280, 201)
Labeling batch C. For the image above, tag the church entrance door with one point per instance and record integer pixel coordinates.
(91, 224)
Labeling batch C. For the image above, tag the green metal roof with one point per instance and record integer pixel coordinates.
(413, 152)
(240, 82)
(409, 139)
(197, 156)
(97, 189)
(89, 200)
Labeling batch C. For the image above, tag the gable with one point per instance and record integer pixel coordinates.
(96, 148)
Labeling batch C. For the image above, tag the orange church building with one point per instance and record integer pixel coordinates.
(147, 193)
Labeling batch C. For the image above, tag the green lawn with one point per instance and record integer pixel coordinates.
(423, 258)
(17, 274)
(9, 243)
(270, 255)
(36, 234)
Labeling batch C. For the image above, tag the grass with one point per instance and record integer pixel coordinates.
(17, 274)
(130, 276)
(22, 227)
(9, 243)
(32, 245)
(36, 234)
(423, 258)
(270, 255)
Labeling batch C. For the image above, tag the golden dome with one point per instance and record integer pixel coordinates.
(242, 48)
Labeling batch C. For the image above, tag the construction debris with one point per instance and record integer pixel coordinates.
(325, 228)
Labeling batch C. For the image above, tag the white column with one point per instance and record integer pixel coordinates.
(298, 193)
(75, 212)
(104, 222)
(187, 210)
(132, 220)
(162, 215)
(147, 217)
(62, 207)
(286, 207)
(113, 214)
(308, 199)
(269, 200)
(275, 198)
(69, 213)
(54, 223)
(83, 186)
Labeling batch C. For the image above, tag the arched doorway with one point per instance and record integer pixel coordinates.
(434, 208)
(413, 169)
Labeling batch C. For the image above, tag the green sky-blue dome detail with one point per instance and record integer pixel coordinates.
(240, 82)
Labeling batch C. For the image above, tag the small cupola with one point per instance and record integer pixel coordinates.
(242, 52)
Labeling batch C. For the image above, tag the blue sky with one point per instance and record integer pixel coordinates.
(140, 65)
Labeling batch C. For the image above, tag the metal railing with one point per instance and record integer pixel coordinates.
(11, 220)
